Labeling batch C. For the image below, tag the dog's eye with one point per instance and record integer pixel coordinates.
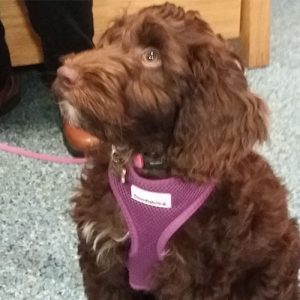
(151, 57)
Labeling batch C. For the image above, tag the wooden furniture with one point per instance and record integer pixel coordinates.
(245, 20)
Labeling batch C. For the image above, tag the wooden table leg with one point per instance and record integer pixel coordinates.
(255, 32)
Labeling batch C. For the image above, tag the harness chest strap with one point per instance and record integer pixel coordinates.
(154, 210)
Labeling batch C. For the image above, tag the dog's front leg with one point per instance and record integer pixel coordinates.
(101, 283)
(272, 282)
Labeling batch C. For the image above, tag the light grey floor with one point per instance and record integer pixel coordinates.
(37, 238)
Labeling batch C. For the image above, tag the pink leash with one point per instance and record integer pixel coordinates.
(39, 156)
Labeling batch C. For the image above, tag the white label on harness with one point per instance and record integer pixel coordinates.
(162, 200)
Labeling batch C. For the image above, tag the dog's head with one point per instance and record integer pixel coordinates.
(161, 79)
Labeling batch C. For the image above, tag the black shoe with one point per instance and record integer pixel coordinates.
(10, 95)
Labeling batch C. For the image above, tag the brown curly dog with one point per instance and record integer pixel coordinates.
(171, 98)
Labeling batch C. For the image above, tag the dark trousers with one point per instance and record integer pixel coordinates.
(63, 27)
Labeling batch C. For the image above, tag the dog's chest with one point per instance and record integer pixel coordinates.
(154, 210)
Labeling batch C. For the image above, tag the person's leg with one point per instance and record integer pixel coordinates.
(5, 63)
(63, 26)
(9, 85)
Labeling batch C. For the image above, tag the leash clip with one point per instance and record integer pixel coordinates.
(117, 161)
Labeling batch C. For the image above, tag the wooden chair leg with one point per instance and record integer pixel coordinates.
(255, 32)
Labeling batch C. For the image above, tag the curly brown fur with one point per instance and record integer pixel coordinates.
(192, 107)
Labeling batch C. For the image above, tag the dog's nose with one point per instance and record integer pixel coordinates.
(67, 75)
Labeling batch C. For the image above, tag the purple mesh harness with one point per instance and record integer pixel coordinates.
(154, 210)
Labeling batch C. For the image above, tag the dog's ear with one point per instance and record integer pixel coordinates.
(222, 121)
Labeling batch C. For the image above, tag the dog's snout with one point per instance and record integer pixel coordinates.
(67, 75)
